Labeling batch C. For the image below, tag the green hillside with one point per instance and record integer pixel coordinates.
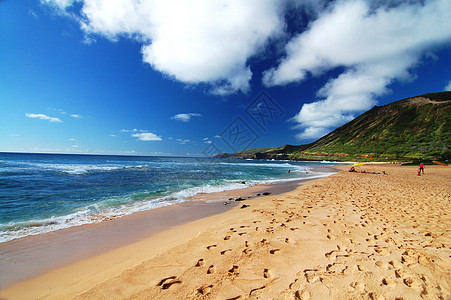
(417, 127)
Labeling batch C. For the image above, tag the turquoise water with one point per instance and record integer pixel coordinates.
(46, 192)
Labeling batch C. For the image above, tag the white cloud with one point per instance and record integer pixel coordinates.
(374, 45)
(183, 142)
(185, 117)
(62, 4)
(198, 41)
(311, 133)
(448, 87)
(43, 117)
(33, 14)
(147, 136)
(76, 116)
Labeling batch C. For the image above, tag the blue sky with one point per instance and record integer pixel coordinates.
(201, 77)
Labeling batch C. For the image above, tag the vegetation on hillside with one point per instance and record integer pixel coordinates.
(412, 128)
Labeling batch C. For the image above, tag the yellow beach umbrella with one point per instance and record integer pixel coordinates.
(358, 164)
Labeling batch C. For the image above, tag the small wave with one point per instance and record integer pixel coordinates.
(79, 169)
(90, 215)
(266, 165)
(118, 206)
(107, 209)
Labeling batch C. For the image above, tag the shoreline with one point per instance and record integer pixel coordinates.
(34, 255)
(346, 236)
(46, 225)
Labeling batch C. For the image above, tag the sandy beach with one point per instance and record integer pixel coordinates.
(347, 236)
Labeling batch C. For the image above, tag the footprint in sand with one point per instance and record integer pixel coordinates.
(312, 278)
(396, 264)
(332, 255)
(273, 251)
(234, 298)
(401, 273)
(256, 290)
(227, 237)
(204, 290)
(234, 270)
(302, 295)
(200, 263)
(211, 269)
(414, 283)
(376, 296)
(167, 282)
(362, 268)
(287, 240)
(267, 273)
(381, 264)
(358, 286)
(225, 251)
(388, 282)
(211, 247)
(247, 251)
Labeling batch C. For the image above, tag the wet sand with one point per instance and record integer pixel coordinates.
(31, 256)
(347, 236)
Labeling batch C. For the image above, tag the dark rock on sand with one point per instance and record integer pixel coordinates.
(244, 206)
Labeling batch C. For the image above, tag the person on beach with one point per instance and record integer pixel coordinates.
(352, 169)
(422, 168)
(419, 171)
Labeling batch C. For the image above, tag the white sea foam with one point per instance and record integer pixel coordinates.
(262, 164)
(119, 206)
(72, 169)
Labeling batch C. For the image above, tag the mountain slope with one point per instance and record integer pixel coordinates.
(416, 127)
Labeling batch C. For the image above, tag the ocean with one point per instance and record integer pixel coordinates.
(46, 192)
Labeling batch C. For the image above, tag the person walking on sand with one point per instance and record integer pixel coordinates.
(422, 168)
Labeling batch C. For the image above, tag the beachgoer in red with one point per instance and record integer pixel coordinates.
(419, 172)
(422, 168)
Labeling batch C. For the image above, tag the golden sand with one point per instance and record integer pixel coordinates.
(347, 236)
